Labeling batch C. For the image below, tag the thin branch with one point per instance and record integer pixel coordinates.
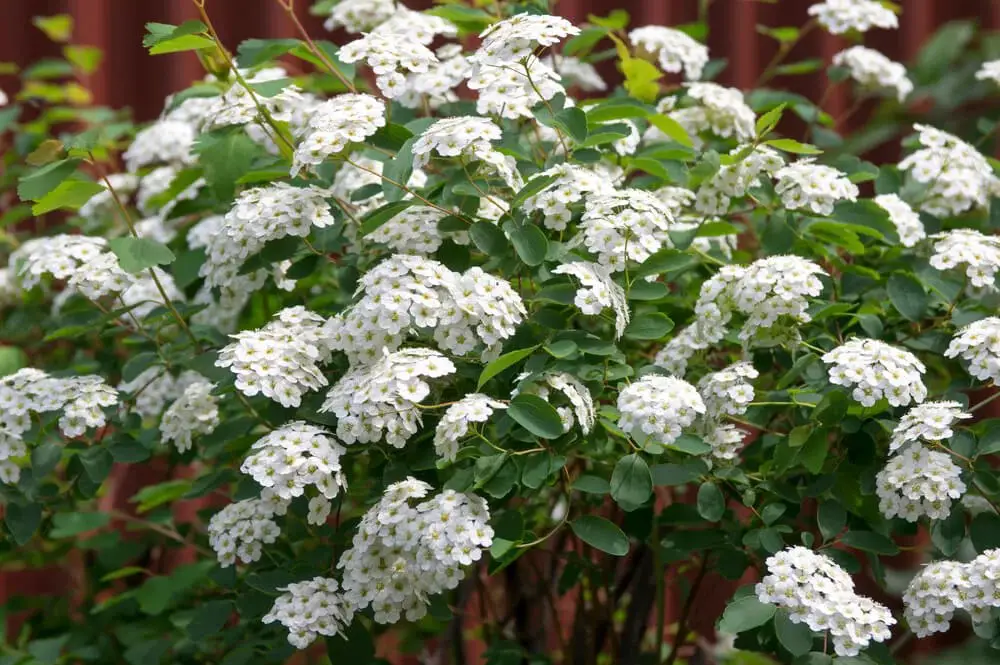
(682, 624)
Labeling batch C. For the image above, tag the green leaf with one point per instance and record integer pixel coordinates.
(907, 295)
(600, 534)
(770, 120)
(794, 147)
(985, 531)
(539, 467)
(45, 457)
(156, 495)
(869, 541)
(23, 520)
(65, 525)
(182, 43)
(536, 415)
(488, 238)
(589, 484)
(138, 254)
(503, 362)
(532, 187)
(398, 170)
(468, 19)
(253, 52)
(672, 475)
(711, 502)
(574, 121)
(85, 58)
(795, 637)
(631, 482)
(640, 78)
(745, 613)
(185, 268)
(653, 325)
(209, 618)
(137, 364)
(47, 651)
(68, 195)
(666, 261)
(832, 408)
(58, 28)
(127, 571)
(671, 128)
(149, 652)
(831, 518)
(380, 216)
(225, 159)
(529, 242)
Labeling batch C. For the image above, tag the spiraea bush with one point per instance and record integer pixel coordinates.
(421, 325)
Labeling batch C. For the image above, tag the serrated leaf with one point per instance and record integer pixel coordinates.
(138, 254)
(68, 195)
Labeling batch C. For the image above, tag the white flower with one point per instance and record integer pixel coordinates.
(573, 389)
(83, 262)
(403, 553)
(990, 71)
(309, 610)
(157, 182)
(454, 424)
(411, 231)
(655, 409)
(163, 142)
(734, 180)
(517, 37)
(820, 594)
(674, 355)
(572, 183)
(240, 530)
(380, 400)
(728, 391)
(720, 110)
(979, 344)
(873, 70)
(726, 441)
(930, 421)
(437, 85)
(933, 595)
(978, 252)
(389, 55)
(196, 411)
(512, 89)
(294, 457)
(154, 387)
(818, 188)
(281, 360)
(360, 172)
(918, 482)
(904, 218)
(597, 291)
(958, 178)
(875, 370)
(675, 50)
(418, 27)
(360, 15)
(144, 296)
(840, 16)
(626, 225)
(336, 123)
(576, 72)
(469, 138)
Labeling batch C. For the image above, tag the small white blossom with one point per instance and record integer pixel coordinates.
(990, 71)
(904, 218)
(930, 421)
(336, 123)
(979, 344)
(872, 70)
(676, 51)
(154, 387)
(655, 409)
(576, 72)
(557, 199)
(196, 411)
(626, 225)
(512, 89)
(840, 16)
(933, 595)
(674, 355)
(517, 37)
(458, 418)
(418, 27)
(468, 138)
(391, 56)
(309, 610)
(84, 262)
(818, 188)
(731, 181)
(240, 530)
(597, 291)
(979, 253)
(360, 15)
(728, 391)
(163, 142)
(918, 482)
(875, 370)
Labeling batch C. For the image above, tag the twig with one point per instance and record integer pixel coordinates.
(289, 7)
(682, 624)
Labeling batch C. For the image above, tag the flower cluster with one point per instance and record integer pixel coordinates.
(626, 225)
(83, 262)
(437, 84)
(918, 482)
(930, 421)
(163, 142)
(571, 185)
(195, 412)
(674, 355)
(907, 222)
(309, 610)
(728, 392)
(731, 181)
(581, 407)
(726, 441)
(380, 400)
(467, 137)
(576, 72)
(359, 172)
(717, 109)
(281, 360)
(766, 291)
(407, 292)
(154, 387)
(820, 594)
(389, 54)
(979, 344)
(511, 89)
(805, 184)
(413, 231)
(840, 16)
(957, 176)
(402, 554)
(360, 15)
(334, 125)
(597, 291)
(516, 38)
(454, 424)
(942, 587)
(241, 529)
(295, 456)
(875, 370)
(675, 50)
(873, 70)
(979, 253)
(990, 71)
(656, 408)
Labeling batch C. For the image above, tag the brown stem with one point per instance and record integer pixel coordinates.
(682, 624)
(289, 7)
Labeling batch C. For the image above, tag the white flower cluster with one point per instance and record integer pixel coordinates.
(979, 253)
(726, 441)
(309, 610)
(990, 71)
(407, 292)
(870, 69)
(454, 424)
(903, 217)
(572, 184)
(626, 225)
(143, 295)
(163, 142)
(819, 593)
(720, 110)
(656, 408)
(157, 182)
(437, 85)
(195, 412)
(295, 456)
(416, 26)
(930, 600)
(769, 292)
(403, 554)
(597, 291)
(154, 387)
(581, 407)
(467, 137)
(380, 400)
(728, 391)
(411, 231)
(979, 344)
(840, 16)
(259, 216)
(516, 38)
(676, 51)
(918, 481)
(83, 262)
(805, 184)
(280, 360)
(389, 54)
(875, 370)
(957, 176)
(360, 15)
(512, 89)
(236, 106)
(734, 180)
(674, 355)
(336, 123)
(577, 72)
(241, 529)
(930, 421)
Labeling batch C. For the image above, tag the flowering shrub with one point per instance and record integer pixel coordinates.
(430, 323)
